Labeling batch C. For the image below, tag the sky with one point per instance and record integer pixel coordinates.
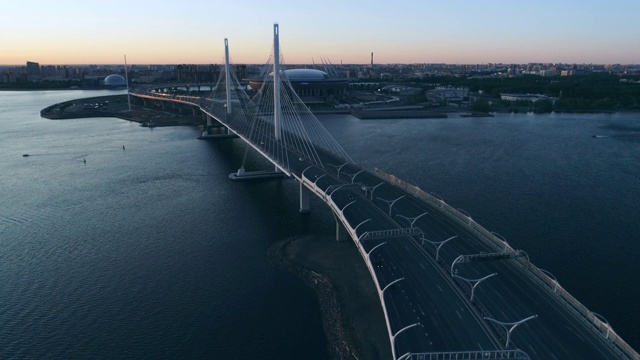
(340, 31)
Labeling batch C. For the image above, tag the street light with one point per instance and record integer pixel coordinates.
(550, 275)
(393, 338)
(390, 202)
(501, 238)
(338, 167)
(477, 282)
(355, 229)
(372, 189)
(512, 324)
(342, 210)
(438, 244)
(353, 176)
(413, 219)
(463, 212)
(604, 321)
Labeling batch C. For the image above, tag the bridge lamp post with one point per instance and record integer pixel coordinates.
(439, 198)
(555, 281)
(501, 238)
(355, 229)
(390, 202)
(318, 178)
(333, 189)
(342, 210)
(465, 214)
(370, 251)
(393, 338)
(438, 245)
(307, 168)
(353, 176)
(604, 321)
(413, 219)
(372, 189)
(454, 262)
(475, 281)
(338, 167)
(512, 324)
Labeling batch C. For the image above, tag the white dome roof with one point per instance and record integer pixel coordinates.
(306, 74)
(115, 80)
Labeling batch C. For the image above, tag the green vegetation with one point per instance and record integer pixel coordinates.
(595, 92)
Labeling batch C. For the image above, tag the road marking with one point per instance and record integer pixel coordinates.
(575, 333)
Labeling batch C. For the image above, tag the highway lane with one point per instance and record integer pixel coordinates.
(556, 333)
(512, 294)
(449, 325)
(510, 300)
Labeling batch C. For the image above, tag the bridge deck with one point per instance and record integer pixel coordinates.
(427, 295)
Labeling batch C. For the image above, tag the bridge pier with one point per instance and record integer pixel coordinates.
(341, 232)
(304, 199)
(242, 175)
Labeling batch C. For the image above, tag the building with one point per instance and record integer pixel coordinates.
(525, 97)
(115, 81)
(33, 71)
(311, 85)
(197, 73)
(449, 94)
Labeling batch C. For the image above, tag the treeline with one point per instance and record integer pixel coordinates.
(596, 92)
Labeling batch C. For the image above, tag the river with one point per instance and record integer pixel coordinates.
(151, 252)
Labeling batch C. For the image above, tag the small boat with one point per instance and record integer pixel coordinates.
(25, 155)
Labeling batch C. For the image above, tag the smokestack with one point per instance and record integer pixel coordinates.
(371, 59)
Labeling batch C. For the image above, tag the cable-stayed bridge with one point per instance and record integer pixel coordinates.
(449, 289)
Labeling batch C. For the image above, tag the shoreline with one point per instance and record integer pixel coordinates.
(352, 318)
(117, 106)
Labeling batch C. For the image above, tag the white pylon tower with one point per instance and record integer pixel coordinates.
(227, 78)
(276, 82)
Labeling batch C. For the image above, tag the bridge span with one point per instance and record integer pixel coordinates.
(448, 288)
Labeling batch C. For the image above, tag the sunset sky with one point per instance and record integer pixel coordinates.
(347, 31)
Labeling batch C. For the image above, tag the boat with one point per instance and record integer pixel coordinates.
(25, 155)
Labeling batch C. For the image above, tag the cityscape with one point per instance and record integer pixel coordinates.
(34, 72)
(413, 181)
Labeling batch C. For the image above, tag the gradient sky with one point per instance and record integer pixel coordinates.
(347, 31)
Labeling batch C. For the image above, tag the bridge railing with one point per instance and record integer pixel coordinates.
(567, 300)
(470, 355)
(492, 240)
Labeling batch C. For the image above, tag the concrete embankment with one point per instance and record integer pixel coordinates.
(352, 318)
(397, 114)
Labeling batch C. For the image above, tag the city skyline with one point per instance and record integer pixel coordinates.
(456, 32)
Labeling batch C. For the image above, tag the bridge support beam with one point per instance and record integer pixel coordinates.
(341, 232)
(304, 199)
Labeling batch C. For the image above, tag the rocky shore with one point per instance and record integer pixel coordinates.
(352, 318)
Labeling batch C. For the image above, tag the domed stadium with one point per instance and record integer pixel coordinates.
(312, 86)
(115, 80)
